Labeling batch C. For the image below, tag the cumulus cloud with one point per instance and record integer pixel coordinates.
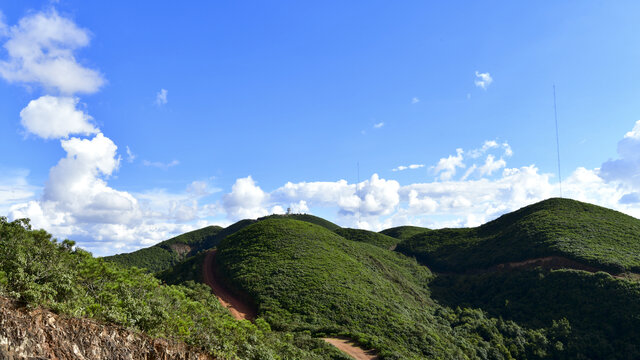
(491, 165)
(41, 49)
(51, 117)
(246, 200)
(625, 169)
(415, 100)
(446, 167)
(408, 167)
(378, 125)
(483, 80)
(161, 97)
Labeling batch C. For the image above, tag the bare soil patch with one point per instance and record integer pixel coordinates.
(239, 307)
(350, 348)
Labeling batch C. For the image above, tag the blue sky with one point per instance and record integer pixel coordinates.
(124, 124)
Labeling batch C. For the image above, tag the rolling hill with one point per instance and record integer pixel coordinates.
(591, 235)
(304, 278)
(163, 256)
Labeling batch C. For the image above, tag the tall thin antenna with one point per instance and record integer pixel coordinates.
(555, 114)
(358, 193)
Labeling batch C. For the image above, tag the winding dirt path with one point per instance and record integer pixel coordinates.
(238, 307)
(350, 348)
(241, 310)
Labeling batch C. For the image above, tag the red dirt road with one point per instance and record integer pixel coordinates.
(351, 349)
(238, 307)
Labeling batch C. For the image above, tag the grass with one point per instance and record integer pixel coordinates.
(593, 235)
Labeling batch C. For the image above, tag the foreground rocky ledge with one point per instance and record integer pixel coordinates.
(41, 334)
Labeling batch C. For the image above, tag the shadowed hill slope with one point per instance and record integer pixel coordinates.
(303, 277)
(169, 252)
(592, 235)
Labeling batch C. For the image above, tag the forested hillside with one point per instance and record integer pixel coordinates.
(592, 235)
(528, 285)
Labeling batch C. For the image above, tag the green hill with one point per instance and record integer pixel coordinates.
(589, 234)
(304, 278)
(163, 255)
(36, 270)
(306, 218)
(404, 232)
(369, 237)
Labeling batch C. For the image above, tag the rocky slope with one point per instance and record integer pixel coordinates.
(41, 334)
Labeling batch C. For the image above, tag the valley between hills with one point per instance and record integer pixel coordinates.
(558, 279)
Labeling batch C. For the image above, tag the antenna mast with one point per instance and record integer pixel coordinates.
(555, 114)
(358, 193)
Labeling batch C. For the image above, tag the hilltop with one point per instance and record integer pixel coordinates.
(164, 255)
(590, 235)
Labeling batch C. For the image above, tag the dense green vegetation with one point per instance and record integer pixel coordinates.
(367, 236)
(304, 278)
(186, 270)
(404, 232)
(306, 218)
(37, 270)
(600, 314)
(310, 278)
(169, 252)
(163, 256)
(593, 235)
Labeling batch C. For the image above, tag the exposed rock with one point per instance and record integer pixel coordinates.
(40, 334)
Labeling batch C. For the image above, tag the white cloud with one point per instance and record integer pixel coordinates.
(634, 133)
(446, 167)
(415, 100)
(161, 165)
(491, 165)
(378, 125)
(483, 80)
(14, 188)
(161, 97)
(130, 155)
(53, 117)
(409, 167)
(246, 200)
(40, 50)
(625, 169)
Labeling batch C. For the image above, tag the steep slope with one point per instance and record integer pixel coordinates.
(369, 237)
(304, 278)
(169, 252)
(591, 235)
(404, 232)
(595, 315)
(41, 334)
